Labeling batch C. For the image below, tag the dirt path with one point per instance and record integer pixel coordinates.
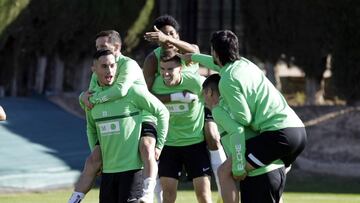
(333, 140)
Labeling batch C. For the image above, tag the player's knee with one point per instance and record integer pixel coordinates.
(147, 146)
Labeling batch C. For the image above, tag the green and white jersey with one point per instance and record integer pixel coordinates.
(186, 119)
(193, 67)
(233, 141)
(117, 125)
(250, 96)
(128, 73)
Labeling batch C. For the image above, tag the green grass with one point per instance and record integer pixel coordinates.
(301, 188)
(184, 196)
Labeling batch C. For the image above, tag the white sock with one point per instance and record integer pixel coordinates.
(217, 157)
(149, 185)
(158, 191)
(76, 197)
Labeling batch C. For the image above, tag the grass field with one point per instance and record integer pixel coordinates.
(301, 188)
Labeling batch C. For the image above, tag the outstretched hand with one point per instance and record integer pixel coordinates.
(156, 36)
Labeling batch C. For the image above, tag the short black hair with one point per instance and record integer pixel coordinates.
(226, 44)
(168, 54)
(102, 52)
(164, 20)
(212, 82)
(114, 36)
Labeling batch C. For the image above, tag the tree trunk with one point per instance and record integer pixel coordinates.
(14, 81)
(58, 75)
(40, 74)
(85, 75)
(314, 91)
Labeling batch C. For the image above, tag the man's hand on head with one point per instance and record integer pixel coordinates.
(156, 36)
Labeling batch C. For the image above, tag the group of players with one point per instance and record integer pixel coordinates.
(165, 118)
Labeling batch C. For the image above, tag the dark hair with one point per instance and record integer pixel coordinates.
(164, 20)
(114, 36)
(226, 45)
(167, 54)
(212, 82)
(102, 52)
(174, 58)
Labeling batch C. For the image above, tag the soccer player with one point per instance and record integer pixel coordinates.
(116, 126)
(129, 73)
(268, 180)
(166, 34)
(2, 114)
(253, 102)
(185, 144)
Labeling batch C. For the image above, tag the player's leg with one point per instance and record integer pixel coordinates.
(270, 185)
(86, 180)
(212, 137)
(132, 190)
(113, 189)
(229, 192)
(202, 189)
(198, 168)
(169, 186)
(170, 168)
(147, 151)
(158, 192)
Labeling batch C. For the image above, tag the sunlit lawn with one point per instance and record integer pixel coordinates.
(61, 196)
(301, 188)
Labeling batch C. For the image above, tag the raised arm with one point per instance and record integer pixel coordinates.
(159, 37)
(129, 72)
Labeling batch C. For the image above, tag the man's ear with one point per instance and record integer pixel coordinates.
(117, 46)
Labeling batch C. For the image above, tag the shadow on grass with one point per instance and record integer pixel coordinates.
(301, 181)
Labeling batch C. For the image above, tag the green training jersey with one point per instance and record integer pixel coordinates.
(128, 73)
(117, 125)
(234, 144)
(186, 119)
(250, 96)
(192, 67)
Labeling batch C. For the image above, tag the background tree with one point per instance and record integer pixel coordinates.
(51, 42)
(298, 29)
(346, 68)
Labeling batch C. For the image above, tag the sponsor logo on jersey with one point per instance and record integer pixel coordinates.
(239, 158)
(109, 128)
(177, 108)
